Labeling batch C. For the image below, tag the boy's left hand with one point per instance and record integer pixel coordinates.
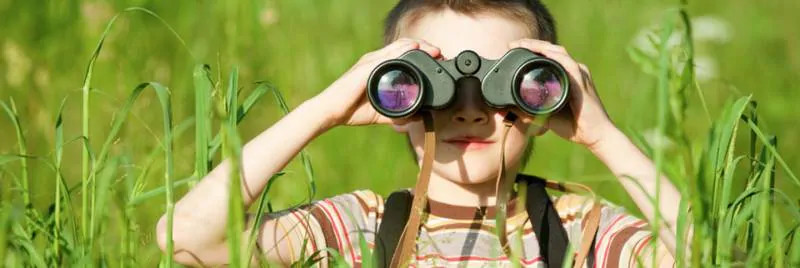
(585, 121)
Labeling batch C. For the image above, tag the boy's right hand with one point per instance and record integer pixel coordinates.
(345, 101)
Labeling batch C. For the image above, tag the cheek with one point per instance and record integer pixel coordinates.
(526, 126)
(517, 140)
(416, 131)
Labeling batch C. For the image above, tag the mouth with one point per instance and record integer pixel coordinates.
(469, 143)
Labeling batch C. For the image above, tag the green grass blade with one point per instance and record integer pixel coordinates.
(242, 111)
(232, 148)
(23, 241)
(772, 150)
(304, 157)
(724, 248)
(142, 197)
(794, 249)
(163, 95)
(202, 102)
(101, 200)
(683, 229)
(762, 238)
(662, 120)
(136, 196)
(259, 217)
(367, 258)
(232, 97)
(86, 90)
(59, 151)
(5, 225)
(11, 112)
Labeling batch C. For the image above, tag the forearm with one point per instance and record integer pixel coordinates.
(201, 215)
(638, 176)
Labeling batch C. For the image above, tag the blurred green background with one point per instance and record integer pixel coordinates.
(301, 46)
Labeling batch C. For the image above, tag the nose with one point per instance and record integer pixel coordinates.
(469, 107)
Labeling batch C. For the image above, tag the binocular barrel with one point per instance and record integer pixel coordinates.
(400, 87)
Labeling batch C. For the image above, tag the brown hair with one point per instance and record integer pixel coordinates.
(532, 13)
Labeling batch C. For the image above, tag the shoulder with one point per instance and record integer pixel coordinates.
(572, 205)
(621, 237)
(574, 208)
(362, 203)
(340, 222)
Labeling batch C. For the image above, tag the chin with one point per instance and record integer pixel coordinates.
(475, 175)
(475, 166)
(472, 167)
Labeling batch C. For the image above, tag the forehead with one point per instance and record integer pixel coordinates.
(487, 33)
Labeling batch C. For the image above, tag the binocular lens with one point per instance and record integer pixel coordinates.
(397, 91)
(540, 89)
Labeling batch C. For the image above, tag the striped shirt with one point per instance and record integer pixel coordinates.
(458, 236)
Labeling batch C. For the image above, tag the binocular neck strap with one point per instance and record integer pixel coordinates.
(408, 238)
(503, 188)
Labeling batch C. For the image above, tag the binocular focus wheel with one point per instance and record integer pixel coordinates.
(468, 62)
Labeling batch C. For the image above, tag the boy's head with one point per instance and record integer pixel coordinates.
(531, 13)
(469, 132)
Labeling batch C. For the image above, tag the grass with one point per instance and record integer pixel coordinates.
(57, 209)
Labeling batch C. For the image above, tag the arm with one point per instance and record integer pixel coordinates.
(201, 215)
(637, 174)
(586, 122)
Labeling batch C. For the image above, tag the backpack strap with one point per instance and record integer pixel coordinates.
(546, 223)
(396, 211)
(585, 251)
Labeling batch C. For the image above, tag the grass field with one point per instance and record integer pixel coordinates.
(84, 182)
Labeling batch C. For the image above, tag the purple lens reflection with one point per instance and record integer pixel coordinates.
(540, 89)
(397, 91)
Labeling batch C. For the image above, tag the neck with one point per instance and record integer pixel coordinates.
(449, 191)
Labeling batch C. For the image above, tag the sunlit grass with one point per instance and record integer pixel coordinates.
(729, 177)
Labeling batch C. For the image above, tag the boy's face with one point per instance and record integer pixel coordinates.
(469, 132)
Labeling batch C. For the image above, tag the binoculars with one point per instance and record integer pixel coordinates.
(400, 87)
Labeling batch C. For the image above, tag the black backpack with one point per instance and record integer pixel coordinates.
(543, 216)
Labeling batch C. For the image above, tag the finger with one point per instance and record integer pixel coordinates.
(560, 121)
(569, 64)
(585, 69)
(392, 50)
(397, 49)
(576, 79)
(537, 46)
(432, 50)
(589, 82)
(360, 72)
(554, 52)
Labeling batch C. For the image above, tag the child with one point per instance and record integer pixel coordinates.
(458, 230)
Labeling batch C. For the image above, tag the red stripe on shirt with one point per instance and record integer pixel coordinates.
(308, 230)
(346, 235)
(474, 258)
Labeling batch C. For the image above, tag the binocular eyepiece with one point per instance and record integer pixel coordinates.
(400, 87)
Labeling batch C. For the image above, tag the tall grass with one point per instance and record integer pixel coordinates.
(73, 247)
(728, 179)
(748, 230)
